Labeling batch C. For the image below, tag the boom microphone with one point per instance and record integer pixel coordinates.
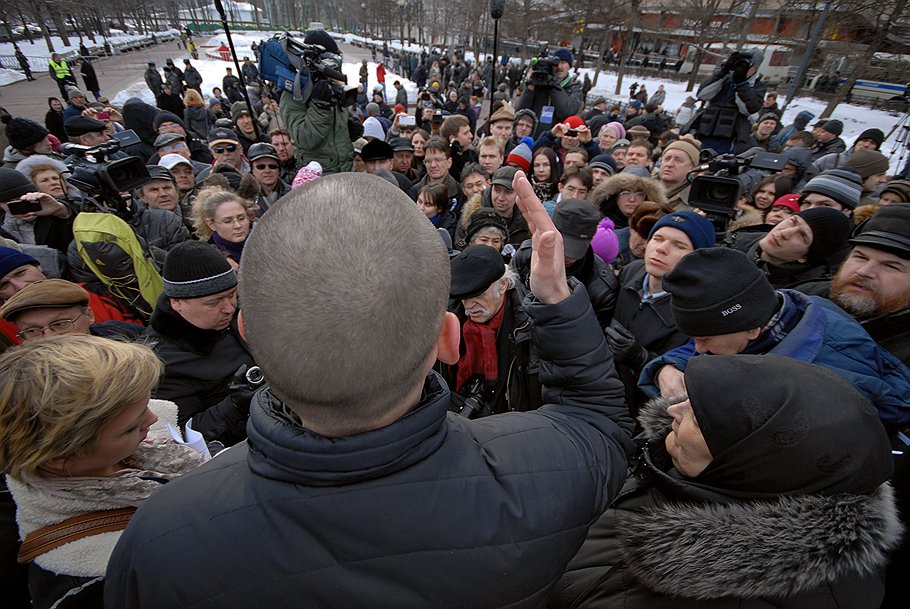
(497, 8)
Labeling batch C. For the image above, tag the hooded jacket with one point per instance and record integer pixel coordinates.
(517, 225)
(605, 195)
(335, 522)
(140, 117)
(799, 124)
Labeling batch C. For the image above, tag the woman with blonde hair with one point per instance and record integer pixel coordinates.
(197, 116)
(81, 451)
(224, 219)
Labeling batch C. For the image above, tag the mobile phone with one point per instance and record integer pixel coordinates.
(407, 121)
(103, 116)
(572, 132)
(18, 208)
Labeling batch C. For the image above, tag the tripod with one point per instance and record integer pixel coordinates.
(901, 145)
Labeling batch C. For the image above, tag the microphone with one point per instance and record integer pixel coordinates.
(497, 8)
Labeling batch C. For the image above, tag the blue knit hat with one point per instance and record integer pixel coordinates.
(564, 55)
(11, 259)
(698, 228)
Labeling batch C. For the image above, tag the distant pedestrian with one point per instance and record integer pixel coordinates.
(89, 77)
(191, 76)
(153, 78)
(23, 63)
(61, 73)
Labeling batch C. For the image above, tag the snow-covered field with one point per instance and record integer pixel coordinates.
(8, 76)
(213, 70)
(856, 119)
(38, 48)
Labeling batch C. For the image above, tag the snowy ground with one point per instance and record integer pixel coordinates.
(855, 118)
(213, 70)
(39, 47)
(8, 76)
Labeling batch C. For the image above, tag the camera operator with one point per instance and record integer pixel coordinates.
(321, 127)
(733, 92)
(550, 91)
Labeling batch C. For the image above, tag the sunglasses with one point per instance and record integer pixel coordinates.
(261, 166)
(225, 148)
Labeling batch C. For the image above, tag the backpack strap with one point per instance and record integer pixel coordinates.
(53, 536)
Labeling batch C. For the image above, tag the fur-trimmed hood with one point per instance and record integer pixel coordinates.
(653, 189)
(470, 208)
(32, 163)
(751, 216)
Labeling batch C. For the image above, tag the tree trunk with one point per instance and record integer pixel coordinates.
(881, 35)
(748, 24)
(59, 24)
(628, 46)
(600, 60)
(28, 32)
(37, 8)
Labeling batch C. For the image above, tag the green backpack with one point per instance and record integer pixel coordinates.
(120, 259)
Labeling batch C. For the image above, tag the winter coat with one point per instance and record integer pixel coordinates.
(51, 231)
(566, 98)
(684, 116)
(72, 575)
(596, 275)
(53, 120)
(725, 120)
(199, 120)
(71, 110)
(198, 367)
(89, 77)
(170, 102)
(153, 80)
(820, 333)
(250, 72)
(669, 543)
(270, 121)
(391, 496)
(401, 97)
(140, 116)
(650, 321)
(790, 273)
(517, 225)
(821, 149)
(192, 78)
(606, 194)
(799, 124)
(321, 133)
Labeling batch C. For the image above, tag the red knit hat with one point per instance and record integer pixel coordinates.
(399, 108)
(574, 122)
(791, 202)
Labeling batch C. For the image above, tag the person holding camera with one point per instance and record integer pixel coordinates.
(734, 92)
(33, 217)
(194, 331)
(550, 91)
(322, 128)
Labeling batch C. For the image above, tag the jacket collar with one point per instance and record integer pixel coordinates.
(280, 447)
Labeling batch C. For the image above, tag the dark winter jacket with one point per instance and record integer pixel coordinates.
(140, 117)
(821, 149)
(199, 120)
(815, 330)
(192, 78)
(170, 102)
(53, 120)
(724, 122)
(790, 273)
(596, 275)
(88, 76)
(198, 367)
(567, 98)
(522, 488)
(670, 543)
(153, 80)
(799, 124)
(517, 225)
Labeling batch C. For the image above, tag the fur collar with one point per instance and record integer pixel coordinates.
(470, 207)
(759, 549)
(653, 189)
(653, 415)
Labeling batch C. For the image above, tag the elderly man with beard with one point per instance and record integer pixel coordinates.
(493, 374)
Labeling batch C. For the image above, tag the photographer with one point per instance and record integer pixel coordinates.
(321, 127)
(550, 91)
(733, 92)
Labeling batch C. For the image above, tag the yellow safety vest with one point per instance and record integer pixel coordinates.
(61, 70)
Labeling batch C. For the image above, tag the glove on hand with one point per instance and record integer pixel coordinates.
(625, 346)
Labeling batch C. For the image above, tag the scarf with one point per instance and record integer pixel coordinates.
(232, 249)
(480, 349)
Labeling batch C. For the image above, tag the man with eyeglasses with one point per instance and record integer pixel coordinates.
(225, 149)
(266, 170)
(54, 307)
(168, 122)
(437, 160)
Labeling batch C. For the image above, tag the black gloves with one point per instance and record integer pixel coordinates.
(625, 347)
(740, 71)
(240, 391)
(355, 128)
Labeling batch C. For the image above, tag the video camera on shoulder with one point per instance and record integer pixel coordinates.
(104, 180)
(718, 194)
(542, 70)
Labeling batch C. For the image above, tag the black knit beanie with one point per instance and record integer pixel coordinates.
(194, 269)
(830, 231)
(875, 135)
(13, 185)
(23, 133)
(167, 117)
(718, 290)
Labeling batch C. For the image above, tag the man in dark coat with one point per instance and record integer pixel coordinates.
(191, 76)
(153, 78)
(194, 332)
(89, 77)
(361, 442)
(555, 98)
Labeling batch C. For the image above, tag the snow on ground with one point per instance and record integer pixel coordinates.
(10, 76)
(38, 48)
(213, 70)
(856, 119)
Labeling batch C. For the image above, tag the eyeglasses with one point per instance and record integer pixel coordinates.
(434, 161)
(632, 194)
(261, 166)
(171, 148)
(231, 221)
(225, 148)
(61, 326)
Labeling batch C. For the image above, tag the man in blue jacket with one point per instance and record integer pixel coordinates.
(357, 486)
(725, 303)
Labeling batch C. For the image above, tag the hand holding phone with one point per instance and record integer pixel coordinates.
(21, 207)
(407, 120)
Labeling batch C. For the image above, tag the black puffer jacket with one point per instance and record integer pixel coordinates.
(199, 366)
(432, 510)
(595, 274)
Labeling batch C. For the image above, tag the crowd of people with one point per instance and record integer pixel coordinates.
(279, 353)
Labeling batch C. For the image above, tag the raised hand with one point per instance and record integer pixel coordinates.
(548, 267)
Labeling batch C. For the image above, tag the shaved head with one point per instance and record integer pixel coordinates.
(344, 286)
